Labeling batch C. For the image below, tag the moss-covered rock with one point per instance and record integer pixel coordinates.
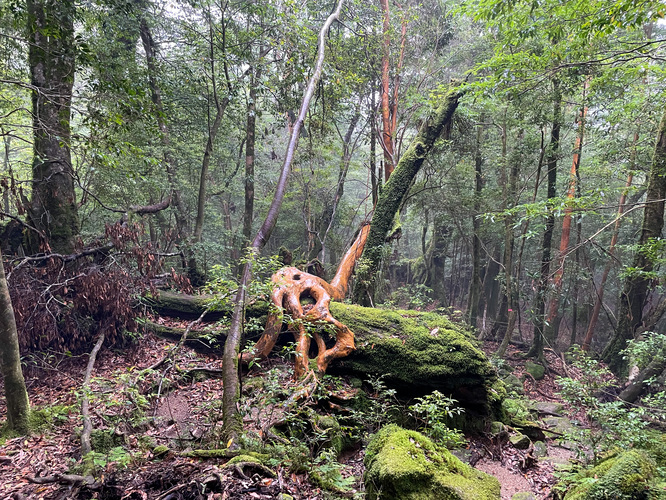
(626, 476)
(520, 441)
(418, 353)
(332, 434)
(536, 370)
(406, 465)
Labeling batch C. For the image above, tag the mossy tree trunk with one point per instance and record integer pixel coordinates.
(51, 55)
(18, 406)
(540, 299)
(637, 283)
(394, 192)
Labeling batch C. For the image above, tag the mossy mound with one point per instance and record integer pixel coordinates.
(627, 476)
(406, 465)
(418, 353)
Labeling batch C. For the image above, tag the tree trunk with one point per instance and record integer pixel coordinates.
(375, 179)
(509, 312)
(436, 260)
(16, 394)
(552, 323)
(475, 281)
(232, 423)
(220, 108)
(250, 139)
(51, 55)
(540, 299)
(609, 264)
(395, 190)
(387, 132)
(160, 113)
(328, 217)
(636, 285)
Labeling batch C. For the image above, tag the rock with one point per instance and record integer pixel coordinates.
(540, 449)
(547, 408)
(532, 430)
(513, 383)
(497, 428)
(536, 370)
(421, 352)
(523, 495)
(627, 476)
(406, 465)
(520, 441)
(559, 425)
(332, 435)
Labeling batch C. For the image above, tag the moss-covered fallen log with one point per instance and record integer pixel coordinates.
(180, 305)
(201, 340)
(418, 353)
(415, 352)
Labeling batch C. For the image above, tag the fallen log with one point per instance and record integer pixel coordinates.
(416, 353)
(180, 305)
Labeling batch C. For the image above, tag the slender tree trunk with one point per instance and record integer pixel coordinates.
(636, 285)
(374, 177)
(331, 210)
(511, 306)
(436, 261)
(475, 281)
(395, 190)
(387, 133)
(51, 56)
(16, 394)
(232, 424)
(552, 323)
(250, 138)
(589, 334)
(160, 113)
(220, 108)
(540, 299)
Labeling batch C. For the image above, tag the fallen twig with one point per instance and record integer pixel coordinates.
(85, 403)
(62, 479)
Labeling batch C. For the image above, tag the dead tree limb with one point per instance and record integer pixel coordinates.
(85, 403)
(232, 422)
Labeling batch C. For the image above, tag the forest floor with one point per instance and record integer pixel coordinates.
(186, 417)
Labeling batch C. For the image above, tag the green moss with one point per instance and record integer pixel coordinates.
(536, 370)
(406, 465)
(244, 459)
(627, 476)
(160, 450)
(421, 352)
(43, 419)
(103, 440)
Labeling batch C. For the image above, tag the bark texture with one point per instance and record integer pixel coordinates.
(18, 406)
(396, 189)
(53, 208)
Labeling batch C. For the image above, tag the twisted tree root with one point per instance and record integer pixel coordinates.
(292, 287)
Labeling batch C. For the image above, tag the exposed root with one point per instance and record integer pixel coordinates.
(292, 287)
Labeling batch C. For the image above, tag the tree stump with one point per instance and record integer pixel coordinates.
(305, 322)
